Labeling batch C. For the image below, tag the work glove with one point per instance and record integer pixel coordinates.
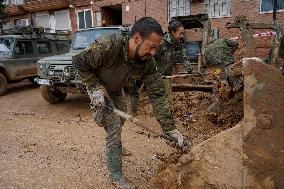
(163, 76)
(182, 142)
(97, 97)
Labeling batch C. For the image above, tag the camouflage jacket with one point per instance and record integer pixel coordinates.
(170, 53)
(220, 52)
(106, 64)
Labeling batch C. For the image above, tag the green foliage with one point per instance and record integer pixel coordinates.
(3, 14)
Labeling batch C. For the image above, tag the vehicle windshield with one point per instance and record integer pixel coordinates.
(85, 38)
(6, 46)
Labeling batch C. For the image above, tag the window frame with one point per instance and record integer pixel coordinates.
(169, 2)
(224, 16)
(267, 12)
(44, 41)
(45, 13)
(92, 17)
(69, 19)
(24, 55)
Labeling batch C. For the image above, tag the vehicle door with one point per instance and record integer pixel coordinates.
(24, 59)
(6, 60)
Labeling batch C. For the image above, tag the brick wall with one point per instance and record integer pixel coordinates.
(249, 8)
(155, 9)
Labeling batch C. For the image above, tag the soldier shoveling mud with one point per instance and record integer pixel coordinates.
(219, 56)
(111, 64)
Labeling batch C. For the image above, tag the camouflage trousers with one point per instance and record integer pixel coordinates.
(111, 122)
(134, 95)
(168, 87)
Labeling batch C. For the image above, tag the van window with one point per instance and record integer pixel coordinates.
(62, 46)
(44, 47)
(24, 48)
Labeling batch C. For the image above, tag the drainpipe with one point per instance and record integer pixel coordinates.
(145, 9)
(274, 10)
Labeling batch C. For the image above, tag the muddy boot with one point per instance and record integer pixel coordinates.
(134, 104)
(124, 183)
(125, 152)
(115, 169)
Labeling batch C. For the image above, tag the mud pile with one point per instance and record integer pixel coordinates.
(245, 156)
(190, 112)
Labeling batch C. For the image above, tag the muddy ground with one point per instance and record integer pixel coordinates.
(59, 146)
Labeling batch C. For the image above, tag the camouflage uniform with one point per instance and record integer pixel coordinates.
(168, 54)
(105, 65)
(219, 55)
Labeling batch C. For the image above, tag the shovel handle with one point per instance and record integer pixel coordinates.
(141, 124)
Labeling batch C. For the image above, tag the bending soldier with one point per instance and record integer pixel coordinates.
(219, 55)
(112, 63)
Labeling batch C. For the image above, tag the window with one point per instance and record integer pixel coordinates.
(178, 8)
(21, 22)
(6, 46)
(62, 19)
(218, 8)
(42, 19)
(62, 46)
(267, 5)
(43, 47)
(13, 2)
(24, 48)
(98, 18)
(85, 19)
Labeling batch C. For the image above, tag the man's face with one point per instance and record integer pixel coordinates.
(146, 48)
(178, 35)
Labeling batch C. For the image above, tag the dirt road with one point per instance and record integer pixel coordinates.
(59, 146)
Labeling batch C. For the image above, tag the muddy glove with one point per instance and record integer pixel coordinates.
(97, 97)
(182, 141)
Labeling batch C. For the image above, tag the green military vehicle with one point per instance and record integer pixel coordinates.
(21, 48)
(56, 74)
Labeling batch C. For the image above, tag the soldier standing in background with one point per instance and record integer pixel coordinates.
(170, 52)
(112, 63)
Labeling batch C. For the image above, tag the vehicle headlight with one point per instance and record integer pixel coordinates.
(50, 72)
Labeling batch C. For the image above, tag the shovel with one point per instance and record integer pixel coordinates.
(184, 75)
(142, 124)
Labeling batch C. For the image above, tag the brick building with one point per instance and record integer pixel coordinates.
(78, 14)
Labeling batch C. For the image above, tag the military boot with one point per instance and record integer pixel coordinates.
(115, 169)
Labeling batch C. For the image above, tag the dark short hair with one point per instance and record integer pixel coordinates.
(145, 26)
(174, 25)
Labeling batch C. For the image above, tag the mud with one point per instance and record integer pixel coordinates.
(248, 155)
(264, 143)
(60, 146)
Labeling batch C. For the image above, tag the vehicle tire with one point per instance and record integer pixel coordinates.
(52, 96)
(3, 84)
